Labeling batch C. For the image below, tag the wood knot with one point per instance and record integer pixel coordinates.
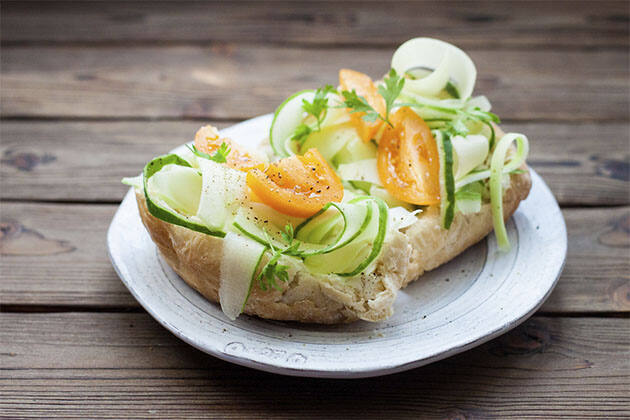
(15, 239)
(25, 161)
(614, 169)
(618, 235)
(8, 229)
(531, 338)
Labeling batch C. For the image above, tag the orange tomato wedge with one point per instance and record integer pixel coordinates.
(363, 85)
(298, 185)
(408, 162)
(208, 140)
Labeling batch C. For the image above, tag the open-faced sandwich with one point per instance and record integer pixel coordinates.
(357, 191)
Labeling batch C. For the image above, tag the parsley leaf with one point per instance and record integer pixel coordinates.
(301, 133)
(220, 156)
(319, 105)
(273, 271)
(456, 128)
(358, 103)
(318, 108)
(390, 90)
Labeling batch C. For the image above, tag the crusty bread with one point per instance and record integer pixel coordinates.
(325, 299)
(328, 299)
(432, 246)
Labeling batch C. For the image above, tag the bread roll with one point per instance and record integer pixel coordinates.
(329, 299)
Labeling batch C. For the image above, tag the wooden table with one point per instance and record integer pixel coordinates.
(91, 91)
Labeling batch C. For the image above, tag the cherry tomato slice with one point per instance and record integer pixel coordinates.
(408, 161)
(208, 140)
(298, 185)
(363, 85)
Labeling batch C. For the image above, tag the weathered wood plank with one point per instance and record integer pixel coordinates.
(240, 81)
(125, 365)
(56, 255)
(585, 164)
(469, 24)
(82, 161)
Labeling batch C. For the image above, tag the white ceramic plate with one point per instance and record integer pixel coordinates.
(478, 296)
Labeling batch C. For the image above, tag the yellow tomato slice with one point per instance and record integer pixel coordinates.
(298, 185)
(363, 85)
(408, 161)
(208, 140)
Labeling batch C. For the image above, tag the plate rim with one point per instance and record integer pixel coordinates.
(363, 372)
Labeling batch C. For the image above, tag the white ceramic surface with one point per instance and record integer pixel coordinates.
(478, 296)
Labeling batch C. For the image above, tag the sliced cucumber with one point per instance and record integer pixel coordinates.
(133, 181)
(158, 208)
(445, 61)
(179, 187)
(516, 160)
(360, 170)
(357, 255)
(331, 228)
(468, 153)
(263, 224)
(355, 149)
(287, 118)
(290, 115)
(222, 193)
(467, 202)
(239, 264)
(499, 169)
(330, 140)
(363, 186)
(356, 218)
(391, 201)
(447, 181)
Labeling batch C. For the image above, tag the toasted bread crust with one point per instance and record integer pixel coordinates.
(325, 299)
(423, 246)
(432, 246)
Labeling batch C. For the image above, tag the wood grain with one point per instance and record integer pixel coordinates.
(241, 81)
(584, 164)
(485, 24)
(57, 255)
(82, 161)
(125, 365)
(557, 71)
(54, 254)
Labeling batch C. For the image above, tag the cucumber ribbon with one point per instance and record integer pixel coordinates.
(355, 227)
(442, 59)
(499, 169)
(239, 264)
(159, 208)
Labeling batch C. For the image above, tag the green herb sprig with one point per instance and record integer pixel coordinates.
(318, 108)
(358, 103)
(220, 156)
(389, 90)
(273, 271)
